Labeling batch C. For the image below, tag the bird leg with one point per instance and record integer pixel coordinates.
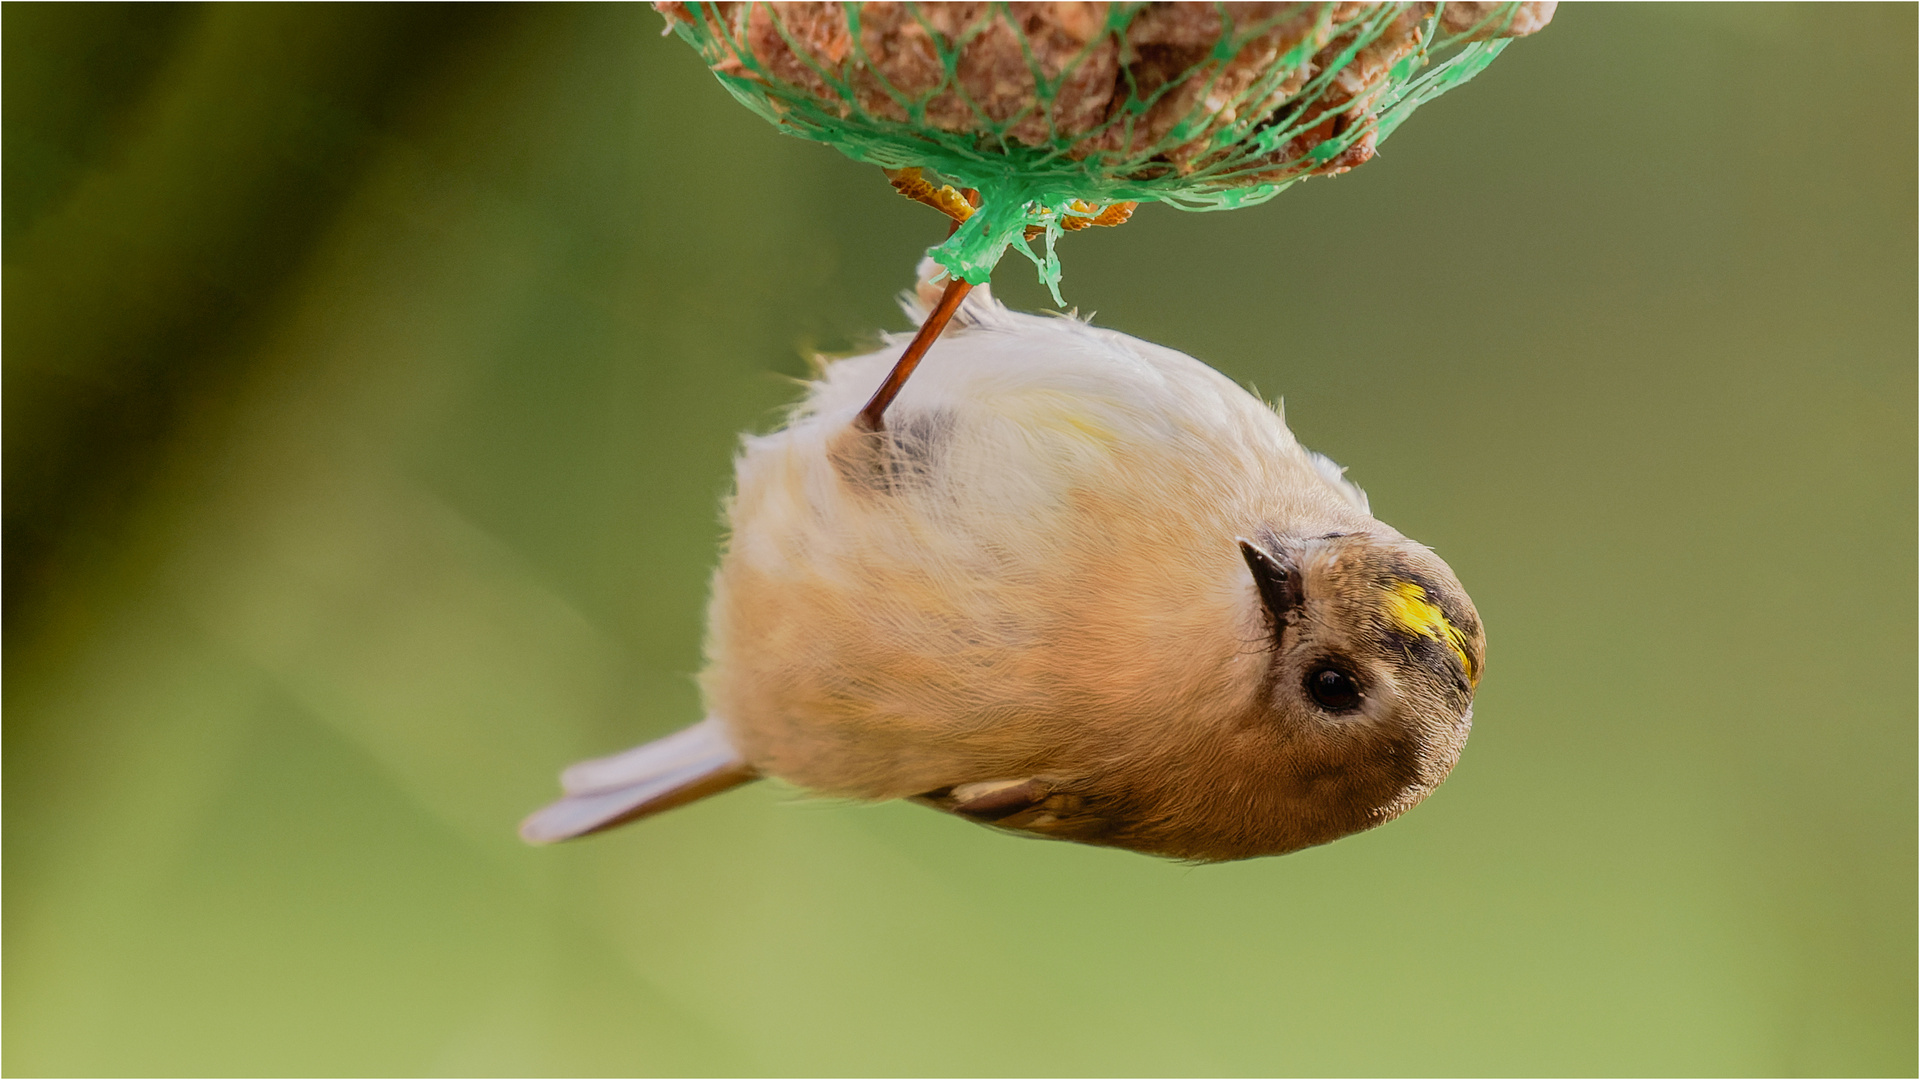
(870, 418)
(1084, 215)
(958, 204)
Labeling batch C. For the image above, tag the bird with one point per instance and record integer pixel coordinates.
(1076, 586)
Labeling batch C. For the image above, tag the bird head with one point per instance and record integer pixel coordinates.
(1366, 653)
(1372, 654)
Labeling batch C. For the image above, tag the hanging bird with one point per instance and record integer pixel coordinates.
(1073, 585)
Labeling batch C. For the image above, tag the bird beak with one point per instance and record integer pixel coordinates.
(1277, 579)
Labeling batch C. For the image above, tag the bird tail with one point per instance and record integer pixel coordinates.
(656, 776)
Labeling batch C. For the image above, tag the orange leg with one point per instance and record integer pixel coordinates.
(958, 205)
(871, 417)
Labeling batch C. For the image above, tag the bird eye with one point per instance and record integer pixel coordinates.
(1334, 689)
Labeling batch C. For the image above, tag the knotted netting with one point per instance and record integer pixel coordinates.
(1050, 111)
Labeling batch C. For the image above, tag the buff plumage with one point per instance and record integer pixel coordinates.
(1079, 586)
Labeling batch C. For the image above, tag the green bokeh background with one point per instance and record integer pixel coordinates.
(372, 376)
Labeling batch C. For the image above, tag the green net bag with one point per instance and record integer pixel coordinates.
(1050, 111)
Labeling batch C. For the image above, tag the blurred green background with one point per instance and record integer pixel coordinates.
(372, 375)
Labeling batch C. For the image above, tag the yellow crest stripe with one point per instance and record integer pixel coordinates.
(1408, 606)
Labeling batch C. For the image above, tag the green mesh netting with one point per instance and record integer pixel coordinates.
(1044, 108)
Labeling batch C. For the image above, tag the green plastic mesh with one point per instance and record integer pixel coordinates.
(1044, 108)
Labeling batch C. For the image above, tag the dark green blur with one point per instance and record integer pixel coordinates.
(371, 380)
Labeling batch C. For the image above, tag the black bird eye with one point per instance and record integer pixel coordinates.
(1334, 689)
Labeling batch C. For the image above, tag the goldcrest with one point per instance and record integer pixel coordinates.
(1078, 586)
